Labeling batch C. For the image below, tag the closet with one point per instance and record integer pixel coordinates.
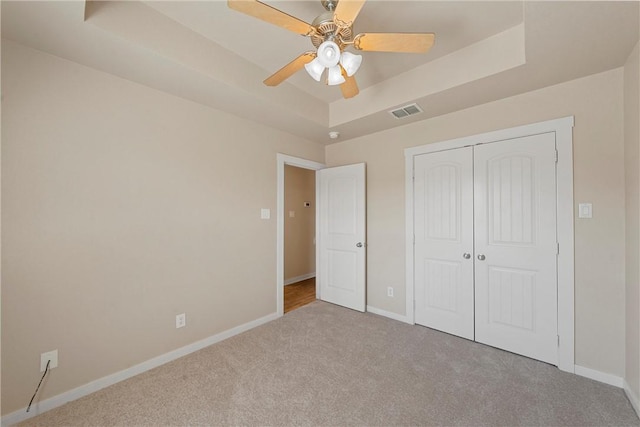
(485, 244)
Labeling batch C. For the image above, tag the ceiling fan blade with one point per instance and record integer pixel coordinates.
(290, 69)
(349, 88)
(394, 42)
(271, 15)
(347, 11)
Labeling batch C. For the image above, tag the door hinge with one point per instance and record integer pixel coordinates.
(558, 340)
(557, 248)
(556, 155)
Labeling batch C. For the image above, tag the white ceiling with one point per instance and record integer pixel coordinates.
(206, 52)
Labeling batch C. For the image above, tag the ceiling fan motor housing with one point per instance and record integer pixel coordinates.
(326, 29)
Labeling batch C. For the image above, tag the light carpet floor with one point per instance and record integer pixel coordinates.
(324, 365)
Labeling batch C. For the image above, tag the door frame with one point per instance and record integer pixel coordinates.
(563, 129)
(282, 160)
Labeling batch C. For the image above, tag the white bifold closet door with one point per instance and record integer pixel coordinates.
(443, 227)
(503, 194)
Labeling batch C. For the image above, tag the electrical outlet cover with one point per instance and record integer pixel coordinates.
(181, 320)
(45, 357)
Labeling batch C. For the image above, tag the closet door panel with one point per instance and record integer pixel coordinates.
(516, 246)
(443, 225)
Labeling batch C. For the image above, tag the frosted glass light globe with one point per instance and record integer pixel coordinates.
(315, 69)
(328, 54)
(335, 76)
(350, 62)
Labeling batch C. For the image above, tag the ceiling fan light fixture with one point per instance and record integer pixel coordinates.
(315, 69)
(350, 62)
(329, 53)
(335, 76)
(330, 32)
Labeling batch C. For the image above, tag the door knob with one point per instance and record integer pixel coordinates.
(466, 255)
(481, 257)
(359, 244)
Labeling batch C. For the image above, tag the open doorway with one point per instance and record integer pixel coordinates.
(299, 237)
(296, 261)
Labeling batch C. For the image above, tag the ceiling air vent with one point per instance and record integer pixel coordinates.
(406, 111)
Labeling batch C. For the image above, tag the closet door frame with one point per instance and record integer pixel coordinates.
(563, 130)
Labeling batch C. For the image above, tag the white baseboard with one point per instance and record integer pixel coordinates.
(632, 398)
(599, 376)
(297, 279)
(390, 315)
(86, 389)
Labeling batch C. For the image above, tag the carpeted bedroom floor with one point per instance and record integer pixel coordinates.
(324, 365)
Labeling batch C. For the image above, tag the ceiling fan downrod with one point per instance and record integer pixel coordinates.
(329, 5)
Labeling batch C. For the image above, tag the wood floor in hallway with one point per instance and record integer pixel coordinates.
(299, 294)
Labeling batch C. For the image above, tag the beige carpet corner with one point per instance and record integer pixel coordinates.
(324, 365)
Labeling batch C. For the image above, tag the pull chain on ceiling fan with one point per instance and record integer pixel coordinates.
(331, 33)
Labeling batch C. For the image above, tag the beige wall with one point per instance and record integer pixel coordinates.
(632, 223)
(122, 207)
(299, 230)
(597, 104)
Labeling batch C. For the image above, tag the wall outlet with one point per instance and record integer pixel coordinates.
(390, 291)
(181, 320)
(45, 357)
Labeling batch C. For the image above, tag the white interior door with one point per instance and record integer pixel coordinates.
(443, 227)
(516, 246)
(341, 271)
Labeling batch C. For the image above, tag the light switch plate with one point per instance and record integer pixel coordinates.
(585, 210)
(265, 213)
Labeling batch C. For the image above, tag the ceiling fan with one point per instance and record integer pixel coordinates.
(331, 32)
